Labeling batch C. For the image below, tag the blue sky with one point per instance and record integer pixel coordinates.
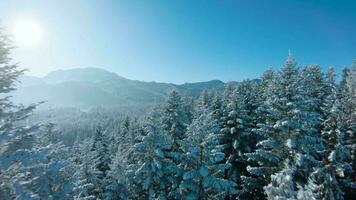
(185, 41)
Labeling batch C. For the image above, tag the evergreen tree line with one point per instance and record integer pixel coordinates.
(287, 135)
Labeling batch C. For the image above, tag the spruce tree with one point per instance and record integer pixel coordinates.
(149, 177)
(328, 180)
(228, 124)
(114, 183)
(86, 181)
(203, 164)
(14, 138)
(101, 160)
(346, 97)
(174, 117)
(175, 121)
(277, 127)
(289, 130)
(262, 161)
(282, 185)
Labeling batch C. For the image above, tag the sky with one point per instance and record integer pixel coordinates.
(183, 41)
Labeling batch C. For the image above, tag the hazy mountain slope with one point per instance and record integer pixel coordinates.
(194, 89)
(91, 87)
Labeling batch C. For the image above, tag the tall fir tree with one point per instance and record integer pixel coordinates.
(175, 121)
(101, 160)
(282, 185)
(281, 111)
(114, 183)
(289, 137)
(203, 164)
(16, 140)
(86, 180)
(326, 180)
(149, 177)
(261, 161)
(346, 96)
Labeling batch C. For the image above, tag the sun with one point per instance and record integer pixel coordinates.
(27, 32)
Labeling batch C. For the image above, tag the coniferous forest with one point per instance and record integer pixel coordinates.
(289, 134)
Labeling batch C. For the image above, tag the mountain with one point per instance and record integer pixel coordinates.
(92, 87)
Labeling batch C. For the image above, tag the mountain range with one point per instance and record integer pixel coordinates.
(92, 87)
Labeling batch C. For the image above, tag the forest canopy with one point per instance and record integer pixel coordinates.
(288, 135)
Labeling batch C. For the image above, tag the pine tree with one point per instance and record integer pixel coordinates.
(205, 99)
(175, 121)
(328, 180)
(216, 108)
(85, 186)
(282, 185)
(313, 81)
(262, 161)
(101, 159)
(123, 140)
(203, 163)
(350, 126)
(174, 118)
(322, 184)
(346, 98)
(331, 132)
(148, 178)
(46, 173)
(114, 188)
(13, 137)
(243, 139)
(276, 127)
(289, 131)
(228, 124)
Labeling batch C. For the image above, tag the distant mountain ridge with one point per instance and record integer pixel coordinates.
(91, 87)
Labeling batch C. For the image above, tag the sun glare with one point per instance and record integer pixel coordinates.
(27, 32)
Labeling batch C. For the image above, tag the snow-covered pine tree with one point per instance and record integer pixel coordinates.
(332, 135)
(216, 107)
(136, 130)
(45, 173)
(114, 183)
(124, 136)
(175, 121)
(118, 135)
(280, 112)
(86, 179)
(93, 161)
(350, 134)
(322, 184)
(326, 180)
(262, 161)
(287, 135)
(350, 127)
(282, 185)
(101, 159)
(313, 81)
(205, 99)
(148, 177)
(314, 94)
(331, 132)
(242, 140)
(346, 97)
(203, 163)
(311, 149)
(12, 136)
(298, 121)
(174, 117)
(228, 128)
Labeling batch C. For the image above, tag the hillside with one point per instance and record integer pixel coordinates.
(91, 87)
